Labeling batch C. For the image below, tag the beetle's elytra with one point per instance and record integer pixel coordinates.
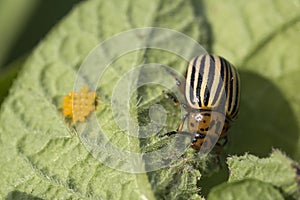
(212, 94)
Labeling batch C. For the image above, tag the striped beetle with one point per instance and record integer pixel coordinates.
(212, 94)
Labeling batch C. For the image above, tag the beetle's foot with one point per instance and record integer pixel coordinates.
(168, 134)
(172, 97)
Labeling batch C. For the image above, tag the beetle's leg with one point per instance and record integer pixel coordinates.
(222, 142)
(169, 133)
(179, 83)
(297, 168)
(220, 145)
(178, 130)
(172, 97)
(225, 140)
(218, 149)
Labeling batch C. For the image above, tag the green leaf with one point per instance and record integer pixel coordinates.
(248, 189)
(8, 75)
(24, 23)
(276, 170)
(13, 15)
(41, 155)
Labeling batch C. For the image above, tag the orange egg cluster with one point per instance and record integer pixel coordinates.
(78, 105)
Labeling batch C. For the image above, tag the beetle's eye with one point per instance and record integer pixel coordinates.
(199, 135)
(194, 140)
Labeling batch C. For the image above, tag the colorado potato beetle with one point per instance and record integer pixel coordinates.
(212, 93)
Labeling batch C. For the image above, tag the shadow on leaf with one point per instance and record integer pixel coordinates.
(20, 195)
(266, 119)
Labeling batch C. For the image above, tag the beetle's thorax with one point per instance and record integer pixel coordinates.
(206, 123)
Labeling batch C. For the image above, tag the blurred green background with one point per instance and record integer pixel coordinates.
(22, 25)
(25, 23)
